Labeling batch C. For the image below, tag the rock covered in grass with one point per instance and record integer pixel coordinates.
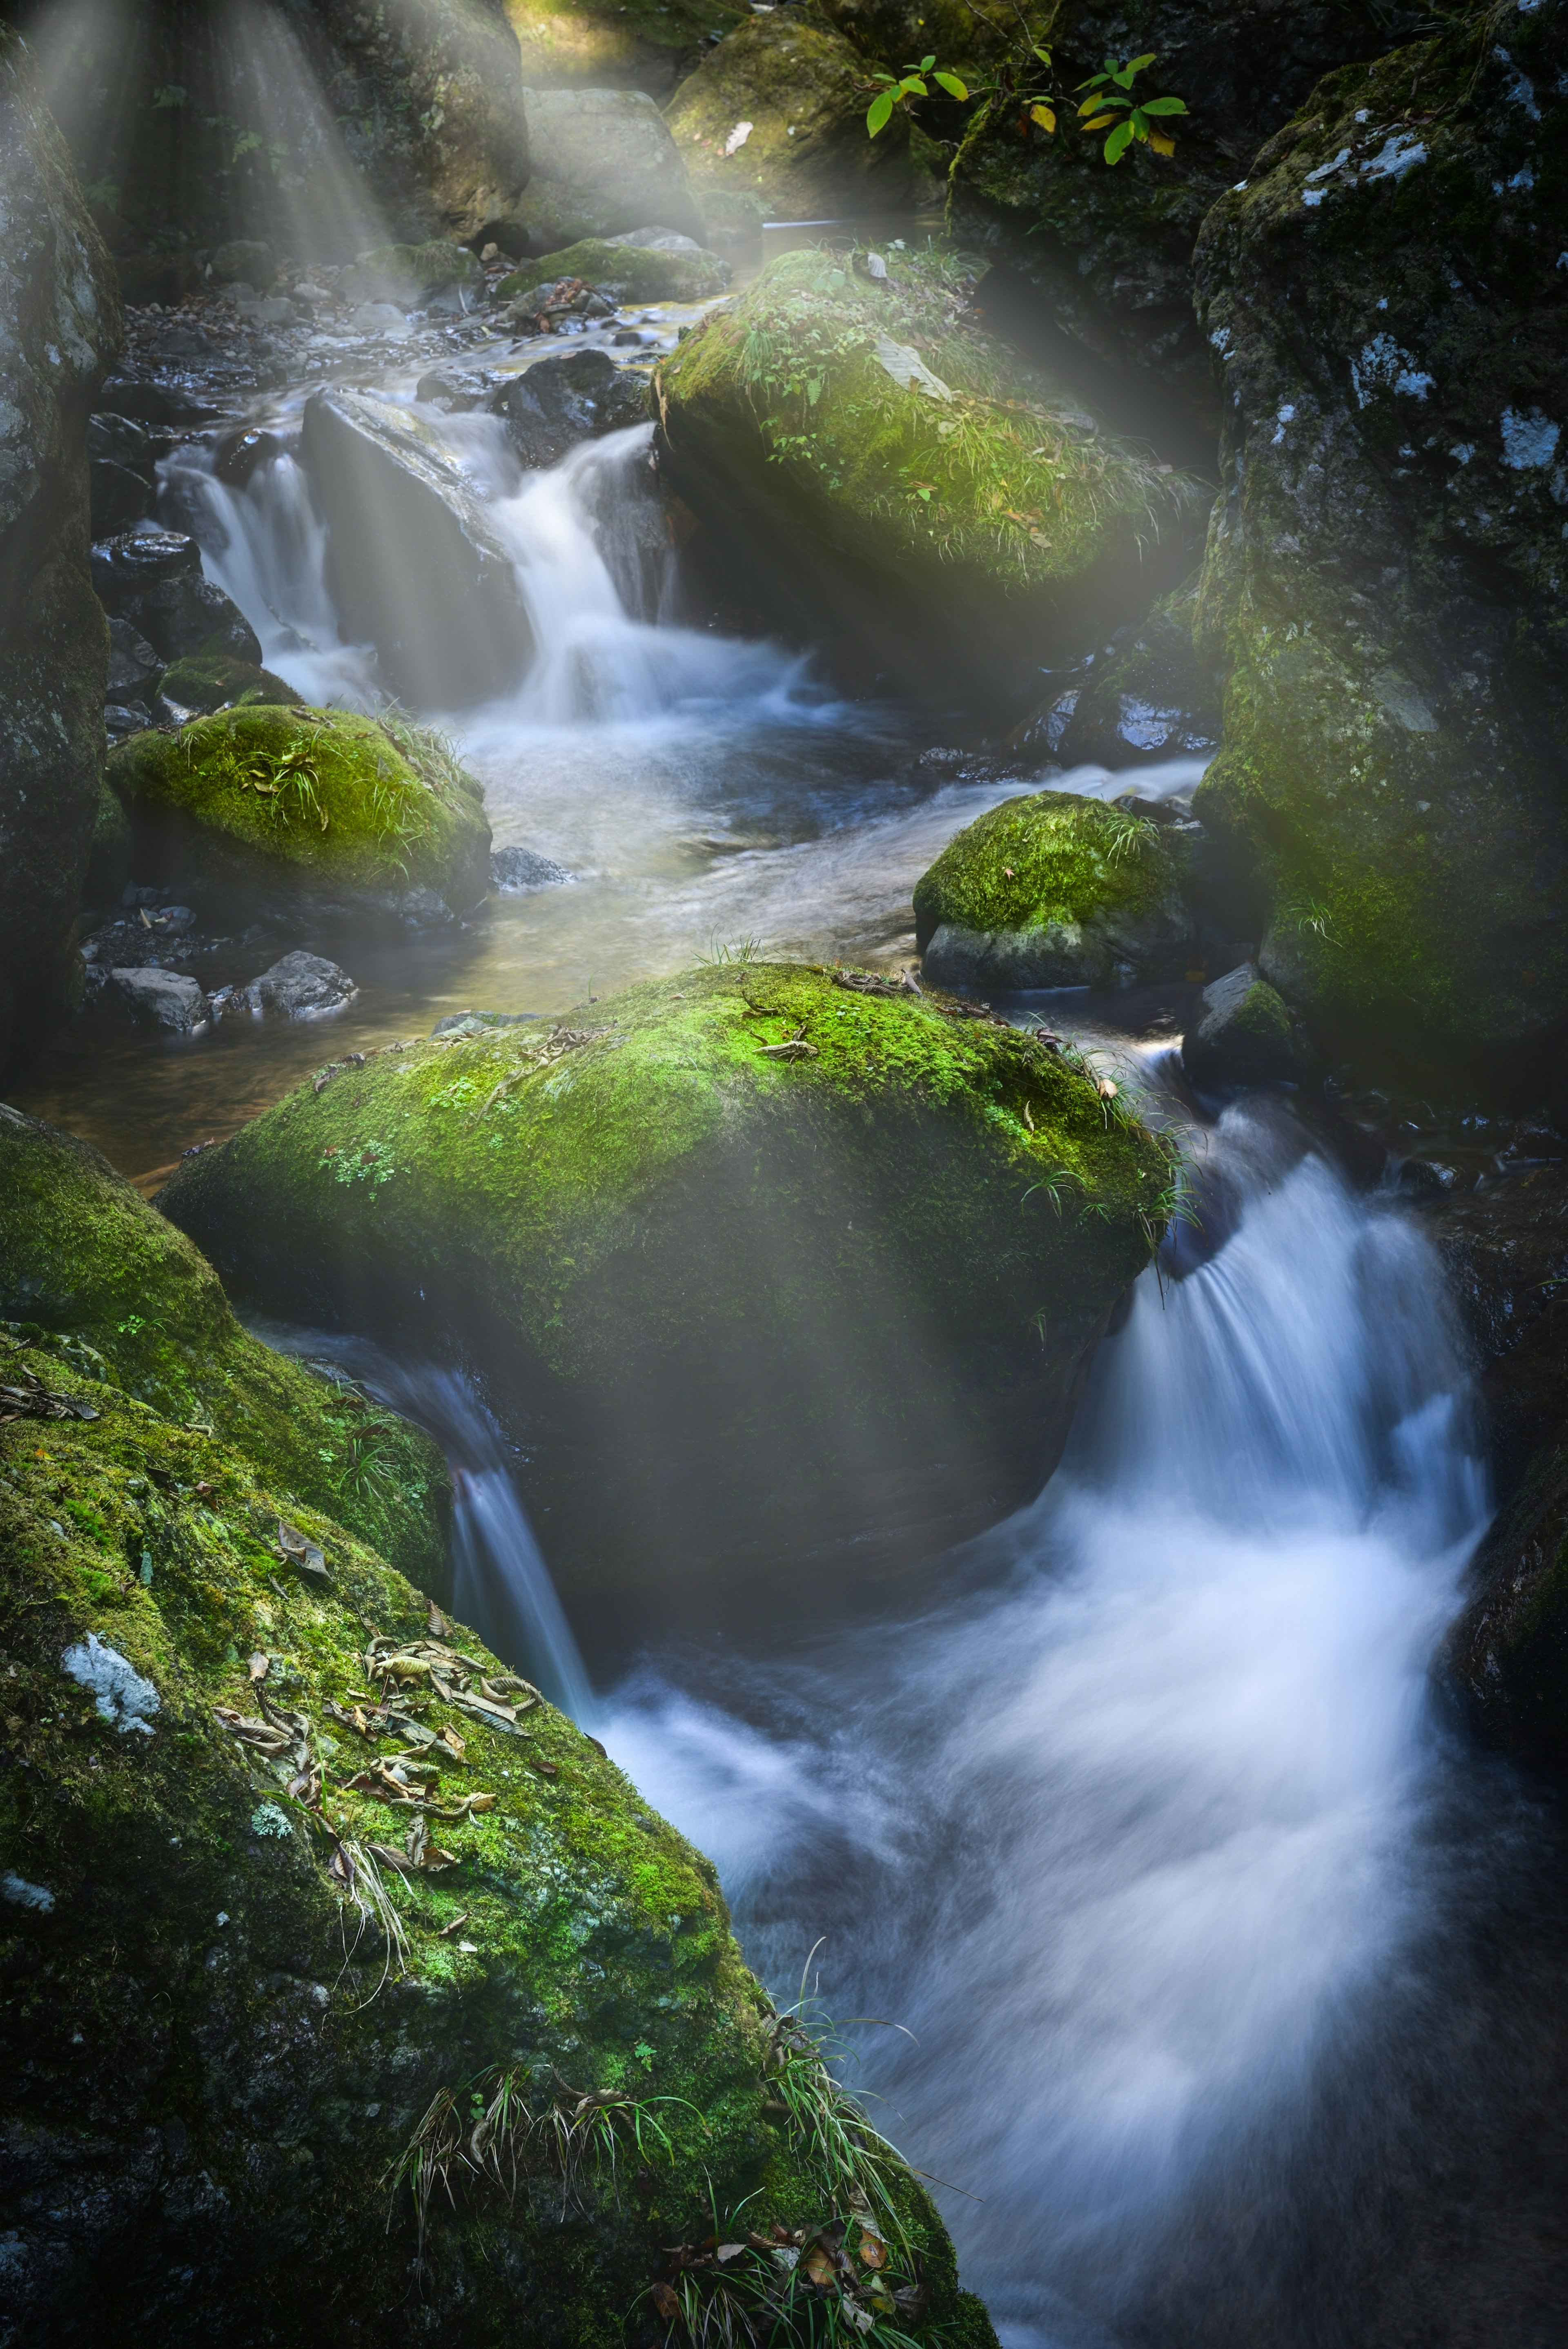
(776, 110)
(1051, 890)
(886, 478)
(281, 807)
(621, 272)
(784, 1270)
(1386, 583)
(602, 160)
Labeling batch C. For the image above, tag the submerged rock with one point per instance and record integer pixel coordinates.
(1244, 1034)
(560, 400)
(1052, 890)
(299, 986)
(1387, 581)
(602, 159)
(785, 1272)
(413, 562)
(152, 579)
(623, 272)
(279, 808)
(885, 478)
(59, 327)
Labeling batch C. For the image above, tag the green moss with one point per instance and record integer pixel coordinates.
(801, 85)
(644, 44)
(402, 271)
(1050, 857)
(123, 1293)
(624, 273)
(208, 681)
(321, 796)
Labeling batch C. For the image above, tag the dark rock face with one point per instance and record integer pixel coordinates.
(161, 999)
(152, 579)
(558, 401)
(1385, 588)
(1146, 697)
(413, 563)
(59, 327)
(1245, 1035)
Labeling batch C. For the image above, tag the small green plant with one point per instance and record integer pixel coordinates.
(372, 1456)
(1026, 81)
(898, 90)
(1112, 107)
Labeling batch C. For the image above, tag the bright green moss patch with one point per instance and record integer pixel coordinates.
(209, 681)
(325, 797)
(123, 1295)
(1047, 858)
(625, 272)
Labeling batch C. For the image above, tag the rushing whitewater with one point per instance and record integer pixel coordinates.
(1120, 1832)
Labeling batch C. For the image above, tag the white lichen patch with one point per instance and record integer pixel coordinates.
(1382, 366)
(123, 1696)
(1528, 441)
(23, 1895)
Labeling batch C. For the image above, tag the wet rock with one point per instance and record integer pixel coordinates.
(382, 318)
(108, 854)
(59, 325)
(121, 440)
(133, 666)
(161, 999)
(240, 454)
(152, 579)
(1147, 697)
(205, 681)
(123, 717)
(512, 870)
(621, 272)
(413, 562)
(118, 497)
(158, 403)
(1387, 576)
(632, 1160)
(1052, 890)
(602, 160)
(409, 275)
(778, 112)
(913, 537)
(300, 986)
(1244, 1034)
(566, 397)
(457, 390)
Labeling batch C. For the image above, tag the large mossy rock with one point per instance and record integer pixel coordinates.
(90, 1271)
(1052, 890)
(410, 274)
(264, 1941)
(1385, 586)
(799, 86)
(623, 272)
(649, 44)
(59, 328)
(887, 479)
(781, 1272)
(273, 808)
(413, 562)
(603, 162)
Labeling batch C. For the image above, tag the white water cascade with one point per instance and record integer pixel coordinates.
(1121, 1832)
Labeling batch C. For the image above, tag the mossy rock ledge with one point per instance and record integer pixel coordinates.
(255, 1926)
(784, 1275)
(621, 272)
(888, 481)
(1051, 890)
(283, 809)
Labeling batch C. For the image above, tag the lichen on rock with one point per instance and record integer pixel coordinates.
(259, 804)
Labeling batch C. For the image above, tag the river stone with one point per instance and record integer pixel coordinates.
(1029, 534)
(685, 1452)
(299, 986)
(244, 261)
(59, 326)
(602, 159)
(118, 497)
(409, 275)
(1147, 697)
(1385, 588)
(133, 666)
(512, 870)
(567, 397)
(152, 578)
(121, 440)
(414, 565)
(1243, 1035)
(801, 86)
(161, 999)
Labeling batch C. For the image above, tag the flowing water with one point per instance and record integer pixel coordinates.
(1148, 1829)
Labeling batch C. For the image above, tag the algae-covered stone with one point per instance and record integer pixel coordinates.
(86, 1267)
(603, 161)
(1386, 578)
(649, 44)
(884, 477)
(623, 272)
(284, 807)
(268, 1940)
(1052, 890)
(778, 111)
(774, 1265)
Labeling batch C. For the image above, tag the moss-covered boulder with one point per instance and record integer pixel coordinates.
(603, 162)
(889, 480)
(1387, 581)
(1243, 1033)
(410, 274)
(203, 682)
(315, 1924)
(650, 45)
(782, 1270)
(89, 1270)
(799, 87)
(1051, 890)
(284, 808)
(621, 272)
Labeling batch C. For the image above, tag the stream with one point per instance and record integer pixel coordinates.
(1224, 1972)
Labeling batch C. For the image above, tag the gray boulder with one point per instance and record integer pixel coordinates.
(1244, 1035)
(513, 870)
(569, 397)
(300, 986)
(152, 578)
(59, 326)
(118, 496)
(121, 441)
(413, 563)
(168, 999)
(133, 666)
(603, 162)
